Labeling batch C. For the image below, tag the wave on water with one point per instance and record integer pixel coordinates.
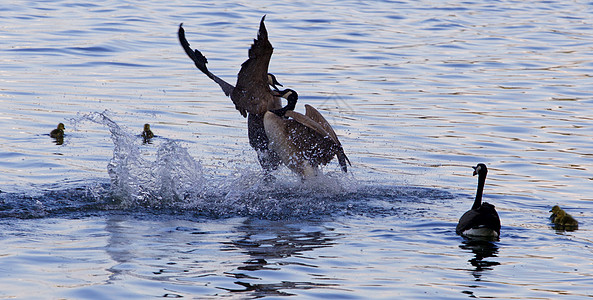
(175, 182)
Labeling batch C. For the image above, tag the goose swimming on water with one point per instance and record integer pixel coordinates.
(303, 142)
(482, 219)
(251, 94)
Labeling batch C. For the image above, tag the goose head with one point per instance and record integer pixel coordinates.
(480, 170)
(291, 96)
(556, 209)
(273, 82)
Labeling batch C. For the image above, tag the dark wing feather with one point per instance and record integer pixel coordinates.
(252, 91)
(314, 114)
(322, 143)
(200, 61)
(484, 216)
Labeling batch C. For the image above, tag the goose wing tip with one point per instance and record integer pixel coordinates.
(263, 32)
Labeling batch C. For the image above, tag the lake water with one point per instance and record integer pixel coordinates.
(417, 91)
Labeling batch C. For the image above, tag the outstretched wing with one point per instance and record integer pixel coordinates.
(304, 120)
(315, 121)
(314, 114)
(200, 61)
(252, 91)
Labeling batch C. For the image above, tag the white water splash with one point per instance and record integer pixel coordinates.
(172, 177)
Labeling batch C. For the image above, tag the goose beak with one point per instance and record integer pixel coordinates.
(276, 92)
(475, 171)
(273, 81)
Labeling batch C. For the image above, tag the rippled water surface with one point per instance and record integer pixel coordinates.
(417, 91)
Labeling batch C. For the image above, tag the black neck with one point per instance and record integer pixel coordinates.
(480, 191)
(282, 111)
(290, 105)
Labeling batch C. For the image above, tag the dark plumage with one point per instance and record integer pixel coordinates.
(482, 219)
(58, 132)
(147, 133)
(303, 142)
(251, 94)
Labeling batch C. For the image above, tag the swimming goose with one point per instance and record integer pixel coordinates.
(251, 94)
(303, 142)
(482, 219)
(561, 219)
(147, 133)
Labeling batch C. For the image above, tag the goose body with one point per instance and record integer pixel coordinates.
(482, 219)
(251, 94)
(303, 142)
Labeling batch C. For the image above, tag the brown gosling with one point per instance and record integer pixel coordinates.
(147, 133)
(58, 132)
(562, 219)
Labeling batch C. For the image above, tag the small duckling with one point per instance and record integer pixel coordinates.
(562, 219)
(147, 133)
(58, 132)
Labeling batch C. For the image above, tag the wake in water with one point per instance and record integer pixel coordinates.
(175, 181)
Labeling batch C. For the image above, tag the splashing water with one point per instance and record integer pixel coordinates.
(174, 182)
(173, 177)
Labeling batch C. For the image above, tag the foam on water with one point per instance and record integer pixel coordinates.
(136, 180)
(140, 177)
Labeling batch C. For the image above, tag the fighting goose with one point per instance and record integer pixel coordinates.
(482, 219)
(303, 142)
(251, 95)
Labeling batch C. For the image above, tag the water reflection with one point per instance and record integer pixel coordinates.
(270, 245)
(482, 249)
(118, 247)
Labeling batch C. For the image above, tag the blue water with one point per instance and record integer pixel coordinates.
(417, 91)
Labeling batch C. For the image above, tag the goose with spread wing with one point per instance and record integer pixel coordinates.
(251, 94)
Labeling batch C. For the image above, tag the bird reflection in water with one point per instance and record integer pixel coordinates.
(482, 249)
(270, 246)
